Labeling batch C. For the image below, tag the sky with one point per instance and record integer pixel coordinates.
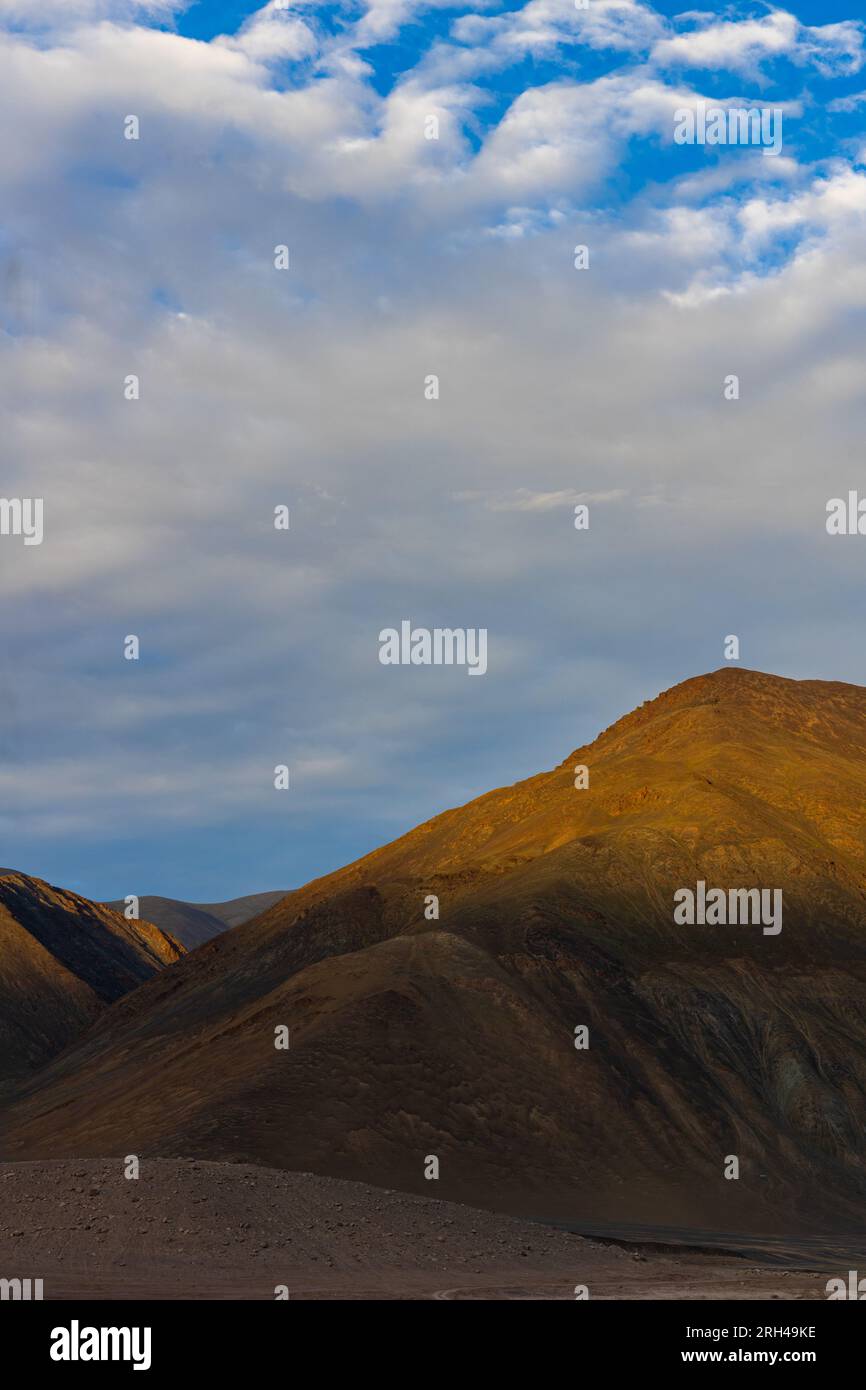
(306, 127)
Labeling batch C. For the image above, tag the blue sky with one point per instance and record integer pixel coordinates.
(258, 387)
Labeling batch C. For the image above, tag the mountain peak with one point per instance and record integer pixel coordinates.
(64, 959)
(733, 699)
(451, 969)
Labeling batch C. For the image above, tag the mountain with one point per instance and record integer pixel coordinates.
(62, 961)
(192, 924)
(413, 1036)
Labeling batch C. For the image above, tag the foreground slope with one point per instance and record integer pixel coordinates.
(193, 1230)
(454, 1037)
(62, 960)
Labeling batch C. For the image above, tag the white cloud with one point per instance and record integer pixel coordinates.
(830, 202)
(743, 45)
(483, 44)
(735, 44)
(306, 388)
(565, 138)
(56, 14)
(273, 34)
(849, 103)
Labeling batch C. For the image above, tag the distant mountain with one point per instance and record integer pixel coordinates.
(195, 923)
(414, 1035)
(62, 961)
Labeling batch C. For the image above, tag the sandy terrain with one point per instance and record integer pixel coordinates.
(193, 1230)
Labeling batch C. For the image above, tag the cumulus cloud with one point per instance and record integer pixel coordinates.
(541, 26)
(743, 45)
(273, 34)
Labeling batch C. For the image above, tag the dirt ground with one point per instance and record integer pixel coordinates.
(194, 1230)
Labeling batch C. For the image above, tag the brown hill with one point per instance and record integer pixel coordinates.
(455, 1037)
(192, 924)
(62, 960)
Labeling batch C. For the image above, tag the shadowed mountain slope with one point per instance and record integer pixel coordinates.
(455, 1036)
(192, 924)
(62, 960)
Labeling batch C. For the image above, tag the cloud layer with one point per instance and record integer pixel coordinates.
(408, 256)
